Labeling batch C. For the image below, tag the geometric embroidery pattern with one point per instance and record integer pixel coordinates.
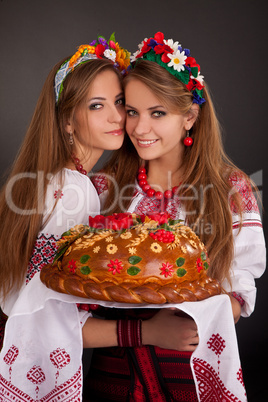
(43, 253)
(239, 185)
(240, 376)
(216, 344)
(210, 386)
(10, 358)
(36, 376)
(59, 358)
(70, 390)
(100, 182)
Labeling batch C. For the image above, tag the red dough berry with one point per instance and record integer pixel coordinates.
(163, 236)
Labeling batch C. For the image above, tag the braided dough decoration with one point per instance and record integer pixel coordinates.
(144, 264)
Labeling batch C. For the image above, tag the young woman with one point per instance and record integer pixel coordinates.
(173, 160)
(79, 114)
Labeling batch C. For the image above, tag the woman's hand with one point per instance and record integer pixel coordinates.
(170, 329)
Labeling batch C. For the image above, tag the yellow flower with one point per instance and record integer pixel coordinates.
(184, 249)
(132, 250)
(156, 248)
(126, 235)
(96, 249)
(122, 57)
(79, 53)
(111, 248)
(109, 239)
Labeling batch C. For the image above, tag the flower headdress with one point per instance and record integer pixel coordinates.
(98, 49)
(175, 60)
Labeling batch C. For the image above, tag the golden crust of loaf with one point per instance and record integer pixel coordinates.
(147, 263)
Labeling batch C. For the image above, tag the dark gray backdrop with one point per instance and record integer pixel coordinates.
(229, 40)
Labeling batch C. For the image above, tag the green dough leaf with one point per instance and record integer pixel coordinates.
(181, 272)
(180, 261)
(134, 259)
(133, 271)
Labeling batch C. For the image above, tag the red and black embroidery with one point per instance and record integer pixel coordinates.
(43, 253)
(210, 386)
(70, 390)
(100, 182)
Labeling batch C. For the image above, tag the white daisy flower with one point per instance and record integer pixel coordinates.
(142, 43)
(172, 44)
(177, 60)
(134, 56)
(199, 78)
(110, 54)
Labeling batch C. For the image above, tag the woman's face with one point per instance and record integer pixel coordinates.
(155, 132)
(99, 122)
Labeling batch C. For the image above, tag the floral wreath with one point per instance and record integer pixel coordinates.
(97, 49)
(175, 60)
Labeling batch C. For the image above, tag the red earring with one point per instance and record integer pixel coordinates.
(188, 141)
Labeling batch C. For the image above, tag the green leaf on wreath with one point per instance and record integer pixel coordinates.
(194, 71)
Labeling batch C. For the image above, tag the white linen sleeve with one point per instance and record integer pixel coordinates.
(76, 200)
(83, 316)
(249, 262)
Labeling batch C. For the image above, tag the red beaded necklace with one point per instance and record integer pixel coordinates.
(142, 181)
(79, 167)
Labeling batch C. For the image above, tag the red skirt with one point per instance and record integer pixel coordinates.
(138, 374)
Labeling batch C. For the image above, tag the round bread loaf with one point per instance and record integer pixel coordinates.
(152, 260)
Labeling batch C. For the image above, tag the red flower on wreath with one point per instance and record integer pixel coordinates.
(115, 266)
(167, 269)
(72, 266)
(164, 50)
(99, 50)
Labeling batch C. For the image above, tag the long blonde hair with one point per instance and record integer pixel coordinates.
(205, 163)
(45, 151)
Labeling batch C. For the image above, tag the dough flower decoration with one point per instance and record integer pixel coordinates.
(175, 59)
(166, 269)
(115, 266)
